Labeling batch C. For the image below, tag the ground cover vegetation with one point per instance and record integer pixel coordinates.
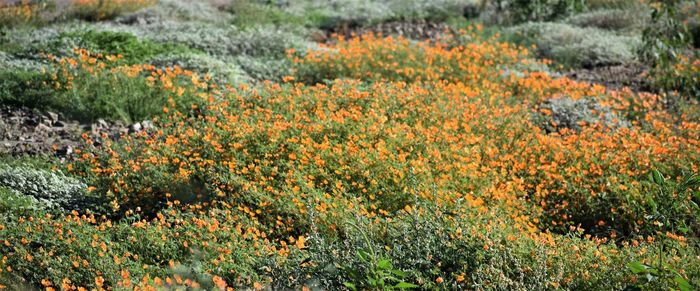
(354, 144)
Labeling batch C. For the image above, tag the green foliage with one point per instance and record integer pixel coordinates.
(250, 13)
(664, 42)
(14, 204)
(664, 37)
(133, 50)
(660, 271)
(114, 96)
(672, 205)
(379, 273)
(25, 88)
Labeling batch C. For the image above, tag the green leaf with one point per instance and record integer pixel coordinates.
(364, 255)
(658, 177)
(637, 267)
(682, 283)
(384, 265)
(350, 286)
(398, 273)
(405, 285)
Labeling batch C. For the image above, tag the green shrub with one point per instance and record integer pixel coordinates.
(579, 47)
(88, 87)
(249, 13)
(25, 88)
(132, 49)
(625, 20)
(14, 204)
(448, 248)
(206, 37)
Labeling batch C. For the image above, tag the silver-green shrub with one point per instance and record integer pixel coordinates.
(267, 40)
(576, 46)
(187, 10)
(51, 190)
(220, 69)
(559, 113)
(261, 68)
(629, 20)
(335, 13)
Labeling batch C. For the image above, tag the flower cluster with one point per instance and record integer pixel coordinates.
(431, 150)
(23, 12)
(99, 9)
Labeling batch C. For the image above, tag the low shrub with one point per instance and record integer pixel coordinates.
(46, 190)
(439, 10)
(372, 57)
(100, 10)
(249, 13)
(682, 77)
(580, 47)
(342, 13)
(177, 10)
(24, 88)
(221, 71)
(266, 41)
(91, 86)
(511, 12)
(23, 12)
(206, 37)
(262, 68)
(566, 113)
(71, 251)
(14, 204)
(132, 50)
(623, 20)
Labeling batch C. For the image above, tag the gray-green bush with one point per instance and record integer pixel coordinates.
(579, 47)
(625, 20)
(47, 189)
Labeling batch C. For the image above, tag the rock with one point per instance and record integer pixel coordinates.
(42, 127)
(52, 116)
(136, 127)
(147, 125)
(102, 124)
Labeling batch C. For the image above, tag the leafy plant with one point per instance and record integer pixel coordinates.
(660, 271)
(379, 273)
